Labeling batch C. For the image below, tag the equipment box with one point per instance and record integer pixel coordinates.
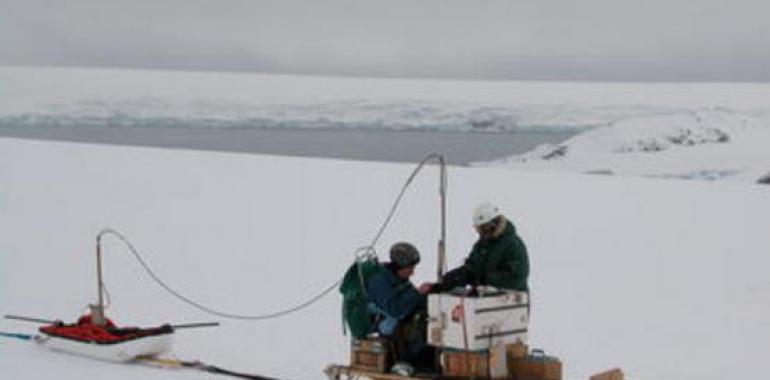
(369, 354)
(477, 322)
(536, 366)
(465, 364)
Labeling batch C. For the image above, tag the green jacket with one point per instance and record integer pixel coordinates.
(500, 261)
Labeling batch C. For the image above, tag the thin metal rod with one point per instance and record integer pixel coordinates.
(195, 325)
(28, 319)
(41, 320)
(98, 316)
(442, 241)
(99, 270)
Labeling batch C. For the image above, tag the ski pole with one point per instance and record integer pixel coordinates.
(29, 319)
(195, 325)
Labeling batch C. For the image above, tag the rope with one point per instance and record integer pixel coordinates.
(197, 365)
(198, 305)
(364, 252)
(401, 194)
(368, 252)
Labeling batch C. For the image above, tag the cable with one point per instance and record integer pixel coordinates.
(401, 194)
(361, 253)
(198, 305)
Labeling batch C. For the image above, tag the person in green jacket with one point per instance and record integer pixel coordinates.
(498, 258)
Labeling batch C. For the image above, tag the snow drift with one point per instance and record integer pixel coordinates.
(707, 144)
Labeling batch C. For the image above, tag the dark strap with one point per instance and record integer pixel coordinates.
(221, 371)
(17, 336)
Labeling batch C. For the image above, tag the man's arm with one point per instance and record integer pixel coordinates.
(460, 276)
(398, 301)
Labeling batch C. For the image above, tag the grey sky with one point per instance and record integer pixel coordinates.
(514, 39)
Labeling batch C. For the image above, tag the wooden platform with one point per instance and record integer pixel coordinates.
(341, 372)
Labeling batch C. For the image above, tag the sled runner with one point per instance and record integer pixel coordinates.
(341, 372)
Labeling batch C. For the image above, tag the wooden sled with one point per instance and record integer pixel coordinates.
(342, 372)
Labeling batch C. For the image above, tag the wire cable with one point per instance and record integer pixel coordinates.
(361, 253)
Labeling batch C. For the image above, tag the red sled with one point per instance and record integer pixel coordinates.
(107, 342)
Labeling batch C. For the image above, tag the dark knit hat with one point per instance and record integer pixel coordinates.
(404, 255)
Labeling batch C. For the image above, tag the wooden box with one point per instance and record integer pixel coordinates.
(370, 354)
(613, 374)
(517, 351)
(465, 364)
(536, 366)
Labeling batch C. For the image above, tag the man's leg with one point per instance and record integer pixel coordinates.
(387, 325)
(415, 347)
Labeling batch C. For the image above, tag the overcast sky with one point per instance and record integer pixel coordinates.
(725, 40)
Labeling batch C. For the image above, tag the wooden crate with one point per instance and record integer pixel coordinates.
(613, 374)
(370, 355)
(517, 351)
(536, 366)
(465, 364)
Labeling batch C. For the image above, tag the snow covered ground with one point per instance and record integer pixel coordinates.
(707, 131)
(705, 144)
(663, 278)
(666, 279)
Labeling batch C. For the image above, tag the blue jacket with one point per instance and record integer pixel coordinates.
(395, 296)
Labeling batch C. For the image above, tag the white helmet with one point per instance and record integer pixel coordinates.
(485, 213)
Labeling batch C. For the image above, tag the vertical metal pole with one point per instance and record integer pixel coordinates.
(442, 241)
(97, 311)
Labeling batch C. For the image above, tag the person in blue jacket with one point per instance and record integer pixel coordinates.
(399, 307)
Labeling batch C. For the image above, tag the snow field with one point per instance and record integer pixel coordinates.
(665, 279)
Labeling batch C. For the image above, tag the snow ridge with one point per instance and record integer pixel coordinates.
(651, 134)
(651, 121)
(78, 96)
(706, 144)
(150, 111)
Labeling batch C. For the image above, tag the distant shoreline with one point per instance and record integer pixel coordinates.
(460, 148)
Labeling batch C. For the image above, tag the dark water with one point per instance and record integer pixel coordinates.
(459, 148)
